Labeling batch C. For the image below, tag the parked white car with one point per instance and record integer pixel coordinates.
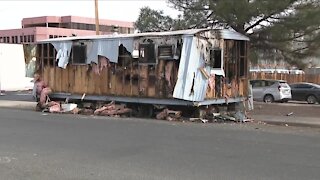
(270, 90)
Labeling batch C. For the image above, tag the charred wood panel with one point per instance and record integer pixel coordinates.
(71, 78)
(91, 81)
(160, 87)
(143, 80)
(57, 79)
(65, 80)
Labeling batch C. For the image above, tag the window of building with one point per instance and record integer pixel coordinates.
(16, 39)
(24, 38)
(8, 39)
(50, 36)
(216, 59)
(242, 67)
(32, 38)
(21, 39)
(243, 63)
(1, 41)
(147, 54)
(79, 53)
(12, 39)
(165, 52)
(29, 38)
(78, 26)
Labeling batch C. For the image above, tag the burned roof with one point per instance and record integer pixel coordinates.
(223, 33)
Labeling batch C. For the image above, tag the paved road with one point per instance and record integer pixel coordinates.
(36, 146)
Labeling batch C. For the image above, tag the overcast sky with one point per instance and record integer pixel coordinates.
(12, 11)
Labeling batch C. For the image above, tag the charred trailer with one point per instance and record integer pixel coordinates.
(189, 69)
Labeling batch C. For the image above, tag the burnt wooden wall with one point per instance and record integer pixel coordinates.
(235, 84)
(128, 79)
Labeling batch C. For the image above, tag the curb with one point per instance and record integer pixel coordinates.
(292, 124)
(22, 105)
(288, 123)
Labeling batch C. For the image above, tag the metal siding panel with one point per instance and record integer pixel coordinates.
(225, 34)
(189, 74)
(233, 35)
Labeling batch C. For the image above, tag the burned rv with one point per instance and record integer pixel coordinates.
(194, 68)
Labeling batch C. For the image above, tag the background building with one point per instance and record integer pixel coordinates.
(39, 28)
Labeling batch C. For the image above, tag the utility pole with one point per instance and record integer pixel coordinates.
(97, 16)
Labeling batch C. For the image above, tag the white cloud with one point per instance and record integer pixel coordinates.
(12, 12)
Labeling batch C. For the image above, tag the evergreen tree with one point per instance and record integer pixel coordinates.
(152, 21)
(278, 29)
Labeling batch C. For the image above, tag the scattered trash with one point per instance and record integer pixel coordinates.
(286, 125)
(83, 96)
(200, 120)
(169, 115)
(68, 107)
(209, 114)
(86, 111)
(112, 109)
(289, 114)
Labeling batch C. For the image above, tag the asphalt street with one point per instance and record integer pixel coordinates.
(37, 146)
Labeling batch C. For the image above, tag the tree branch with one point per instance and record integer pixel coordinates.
(258, 22)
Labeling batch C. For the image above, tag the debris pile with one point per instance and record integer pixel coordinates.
(231, 117)
(112, 109)
(210, 114)
(169, 115)
(58, 107)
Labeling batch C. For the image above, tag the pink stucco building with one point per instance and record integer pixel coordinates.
(39, 28)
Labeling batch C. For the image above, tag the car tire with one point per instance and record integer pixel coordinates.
(268, 98)
(311, 99)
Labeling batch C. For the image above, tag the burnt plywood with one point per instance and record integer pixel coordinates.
(160, 86)
(103, 83)
(119, 73)
(143, 80)
(71, 78)
(65, 80)
(91, 89)
(58, 79)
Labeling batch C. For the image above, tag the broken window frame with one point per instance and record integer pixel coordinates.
(163, 47)
(242, 66)
(144, 60)
(83, 57)
(212, 63)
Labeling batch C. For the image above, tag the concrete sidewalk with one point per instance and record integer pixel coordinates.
(24, 105)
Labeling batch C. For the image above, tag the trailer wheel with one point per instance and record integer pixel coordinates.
(145, 111)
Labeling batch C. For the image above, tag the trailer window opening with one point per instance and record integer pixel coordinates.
(216, 58)
(165, 52)
(242, 64)
(124, 58)
(147, 54)
(79, 53)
